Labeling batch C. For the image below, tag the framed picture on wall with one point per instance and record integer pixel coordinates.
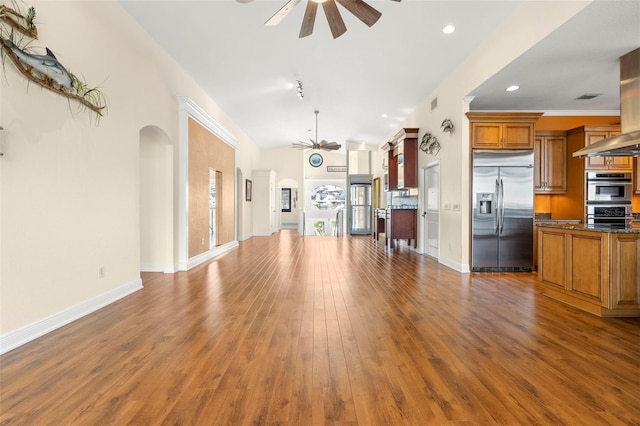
(247, 188)
(285, 200)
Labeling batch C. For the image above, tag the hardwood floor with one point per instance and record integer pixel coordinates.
(286, 330)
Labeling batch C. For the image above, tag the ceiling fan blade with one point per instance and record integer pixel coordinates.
(362, 11)
(301, 145)
(334, 18)
(309, 19)
(282, 13)
(329, 146)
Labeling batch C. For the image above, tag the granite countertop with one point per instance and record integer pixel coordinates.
(634, 228)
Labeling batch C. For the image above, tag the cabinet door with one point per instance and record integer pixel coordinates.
(637, 175)
(625, 273)
(400, 160)
(393, 171)
(486, 135)
(517, 135)
(555, 159)
(620, 163)
(538, 166)
(595, 163)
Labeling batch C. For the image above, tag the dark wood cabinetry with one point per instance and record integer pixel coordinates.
(402, 160)
(401, 224)
(550, 162)
(502, 130)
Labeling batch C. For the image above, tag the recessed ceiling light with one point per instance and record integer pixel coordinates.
(384, 115)
(512, 88)
(448, 29)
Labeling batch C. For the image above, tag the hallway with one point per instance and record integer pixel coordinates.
(326, 330)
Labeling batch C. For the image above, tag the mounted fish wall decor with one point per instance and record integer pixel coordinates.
(44, 70)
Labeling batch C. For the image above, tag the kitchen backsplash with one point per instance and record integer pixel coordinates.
(410, 201)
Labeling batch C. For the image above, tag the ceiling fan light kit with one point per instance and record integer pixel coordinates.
(359, 8)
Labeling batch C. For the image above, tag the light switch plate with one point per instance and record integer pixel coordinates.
(456, 206)
(447, 205)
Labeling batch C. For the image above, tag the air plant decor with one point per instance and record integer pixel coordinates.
(45, 70)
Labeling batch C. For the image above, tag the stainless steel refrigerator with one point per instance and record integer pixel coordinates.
(360, 209)
(502, 210)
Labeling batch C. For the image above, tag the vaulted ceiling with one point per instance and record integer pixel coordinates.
(251, 70)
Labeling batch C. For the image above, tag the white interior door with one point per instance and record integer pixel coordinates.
(431, 210)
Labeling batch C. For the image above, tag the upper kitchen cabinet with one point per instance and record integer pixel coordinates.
(402, 152)
(636, 175)
(550, 162)
(592, 134)
(502, 130)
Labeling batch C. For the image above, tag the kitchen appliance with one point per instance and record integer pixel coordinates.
(608, 201)
(360, 208)
(628, 142)
(609, 187)
(502, 210)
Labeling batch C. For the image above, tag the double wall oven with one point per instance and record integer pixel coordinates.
(608, 199)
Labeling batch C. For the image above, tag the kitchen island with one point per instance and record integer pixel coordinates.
(595, 269)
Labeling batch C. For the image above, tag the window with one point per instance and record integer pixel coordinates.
(327, 197)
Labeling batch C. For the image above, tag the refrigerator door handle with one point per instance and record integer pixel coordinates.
(497, 208)
(501, 206)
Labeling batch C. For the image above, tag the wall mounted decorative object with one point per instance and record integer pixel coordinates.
(430, 144)
(45, 70)
(447, 125)
(247, 188)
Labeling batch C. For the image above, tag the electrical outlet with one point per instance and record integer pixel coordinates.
(456, 206)
(447, 205)
(101, 272)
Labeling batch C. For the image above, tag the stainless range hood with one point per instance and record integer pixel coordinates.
(628, 143)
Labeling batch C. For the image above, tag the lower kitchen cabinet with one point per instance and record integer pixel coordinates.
(401, 224)
(593, 270)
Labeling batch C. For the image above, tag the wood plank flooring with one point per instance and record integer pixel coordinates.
(287, 330)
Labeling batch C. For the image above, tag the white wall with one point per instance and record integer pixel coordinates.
(71, 190)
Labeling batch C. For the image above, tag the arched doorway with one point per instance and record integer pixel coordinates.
(156, 201)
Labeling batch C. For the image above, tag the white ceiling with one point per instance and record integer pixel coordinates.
(250, 70)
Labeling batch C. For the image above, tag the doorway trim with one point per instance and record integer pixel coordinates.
(187, 108)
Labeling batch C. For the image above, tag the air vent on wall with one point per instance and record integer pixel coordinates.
(588, 96)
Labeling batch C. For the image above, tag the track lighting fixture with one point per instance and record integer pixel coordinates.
(299, 88)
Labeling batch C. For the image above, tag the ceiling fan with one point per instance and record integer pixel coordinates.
(324, 145)
(358, 8)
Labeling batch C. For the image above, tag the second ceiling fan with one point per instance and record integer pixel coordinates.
(358, 8)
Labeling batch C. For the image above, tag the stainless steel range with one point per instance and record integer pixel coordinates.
(608, 199)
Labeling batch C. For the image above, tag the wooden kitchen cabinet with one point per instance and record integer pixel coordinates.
(402, 159)
(502, 130)
(593, 270)
(636, 176)
(401, 224)
(592, 134)
(550, 162)
(625, 271)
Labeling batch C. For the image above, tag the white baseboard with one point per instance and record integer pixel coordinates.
(157, 267)
(33, 331)
(245, 237)
(214, 252)
(464, 269)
